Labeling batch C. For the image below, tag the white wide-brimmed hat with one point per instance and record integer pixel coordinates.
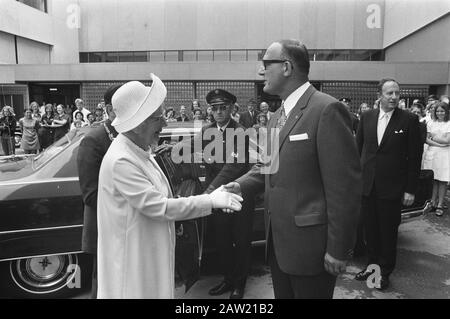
(134, 102)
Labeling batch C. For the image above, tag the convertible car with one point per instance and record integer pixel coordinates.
(41, 213)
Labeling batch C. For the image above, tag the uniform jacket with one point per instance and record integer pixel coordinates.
(393, 167)
(234, 160)
(312, 200)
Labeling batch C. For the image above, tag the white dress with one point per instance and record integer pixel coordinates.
(136, 231)
(438, 158)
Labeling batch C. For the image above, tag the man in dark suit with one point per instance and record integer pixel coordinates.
(312, 197)
(389, 142)
(232, 231)
(249, 117)
(90, 155)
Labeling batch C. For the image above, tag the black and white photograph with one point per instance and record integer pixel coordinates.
(224, 154)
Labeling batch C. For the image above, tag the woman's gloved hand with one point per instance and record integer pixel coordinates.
(223, 200)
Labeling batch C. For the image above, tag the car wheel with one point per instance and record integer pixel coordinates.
(54, 276)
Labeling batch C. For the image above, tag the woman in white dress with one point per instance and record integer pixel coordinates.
(438, 155)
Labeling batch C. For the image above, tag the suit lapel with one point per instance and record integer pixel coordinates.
(295, 115)
(372, 126)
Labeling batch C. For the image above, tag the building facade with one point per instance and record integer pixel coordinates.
(56, 50)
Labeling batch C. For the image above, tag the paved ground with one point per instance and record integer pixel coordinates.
(423, 268)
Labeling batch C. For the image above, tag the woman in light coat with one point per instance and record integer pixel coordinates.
(136, 209)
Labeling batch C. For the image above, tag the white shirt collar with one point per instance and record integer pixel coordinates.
(293, 98)
(223, 127)
(389, 114)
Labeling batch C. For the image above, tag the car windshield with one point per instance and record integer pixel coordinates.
(54, 149)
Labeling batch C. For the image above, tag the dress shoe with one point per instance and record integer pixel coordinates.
(363, 275)
(384, 283)
(220, 289)
(237, 293)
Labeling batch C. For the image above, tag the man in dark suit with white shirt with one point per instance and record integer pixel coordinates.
(389, 142)
(312, 197)
(248, 118)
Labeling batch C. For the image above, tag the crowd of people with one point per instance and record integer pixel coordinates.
(42, 125)
(251, 117)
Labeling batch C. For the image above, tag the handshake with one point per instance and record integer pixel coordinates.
(227, 197)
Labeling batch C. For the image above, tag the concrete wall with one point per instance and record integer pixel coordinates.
(403, 17)
(134, 25)
(428, 73)
(32, 52)
(7, 48)
(428, 44)
(52, 30)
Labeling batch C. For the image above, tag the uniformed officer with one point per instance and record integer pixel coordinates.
(232, 231)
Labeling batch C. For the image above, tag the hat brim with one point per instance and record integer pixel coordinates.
(154, 99)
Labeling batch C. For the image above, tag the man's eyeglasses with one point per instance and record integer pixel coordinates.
(216, 108)
(269, 62)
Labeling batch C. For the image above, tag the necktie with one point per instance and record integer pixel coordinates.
(282, 119)
(382, 124)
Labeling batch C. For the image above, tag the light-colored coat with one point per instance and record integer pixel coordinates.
(136, 233)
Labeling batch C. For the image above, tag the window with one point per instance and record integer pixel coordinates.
(324, 55)
(238, 55)
(377, 55)
(171, 56)
(41, 5)
(157, 56)
(341, 55)
(140, 56)
(221, 55)
(360, 55)
(205, 55)
(189, 56)
(84, 57)
(126, 57)
(112, 57)
(97, 57)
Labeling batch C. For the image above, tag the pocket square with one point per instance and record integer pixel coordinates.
(298, 137)
(398, 132)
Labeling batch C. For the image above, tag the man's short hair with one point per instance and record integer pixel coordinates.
(383, 81)
(78, 101)
(297, 53)
(107, 97)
